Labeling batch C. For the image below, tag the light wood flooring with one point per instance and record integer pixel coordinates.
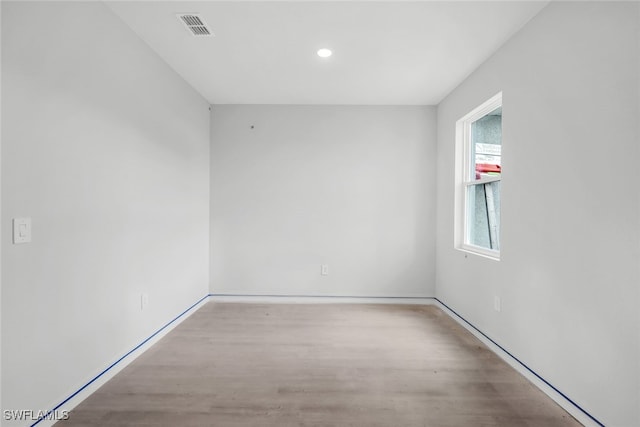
(318, 365)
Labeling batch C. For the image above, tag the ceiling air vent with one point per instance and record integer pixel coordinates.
(195, 24)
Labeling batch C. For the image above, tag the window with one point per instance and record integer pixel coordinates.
(478, 178)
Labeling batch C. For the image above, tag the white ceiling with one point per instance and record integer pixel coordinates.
(385, 52)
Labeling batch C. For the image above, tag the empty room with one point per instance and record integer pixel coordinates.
(292, 213)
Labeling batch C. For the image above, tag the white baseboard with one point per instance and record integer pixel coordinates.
(97, 380)
(320, 299)
(561, 399)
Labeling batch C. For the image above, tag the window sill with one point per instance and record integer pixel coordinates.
(477, 250)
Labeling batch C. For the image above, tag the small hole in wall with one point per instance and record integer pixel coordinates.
(252, 126)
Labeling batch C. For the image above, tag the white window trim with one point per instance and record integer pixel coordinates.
(464, 180)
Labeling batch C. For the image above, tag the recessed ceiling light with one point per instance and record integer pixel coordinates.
(324, 53)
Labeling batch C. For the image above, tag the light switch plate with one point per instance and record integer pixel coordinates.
(21, 230)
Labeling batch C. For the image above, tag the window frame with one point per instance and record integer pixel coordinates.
(465, 177)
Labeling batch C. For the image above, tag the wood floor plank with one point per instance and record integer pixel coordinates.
(318, 365)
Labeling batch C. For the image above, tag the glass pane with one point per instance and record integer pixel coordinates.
(483, 215)
(486, 143)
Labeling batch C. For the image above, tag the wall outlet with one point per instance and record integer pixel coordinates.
(497, 303)
(324, 269)
(144, 301)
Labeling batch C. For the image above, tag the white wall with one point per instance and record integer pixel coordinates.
(107, 150)
(569, 274)
(350, 187)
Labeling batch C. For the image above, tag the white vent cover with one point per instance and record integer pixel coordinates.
(195, 24)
